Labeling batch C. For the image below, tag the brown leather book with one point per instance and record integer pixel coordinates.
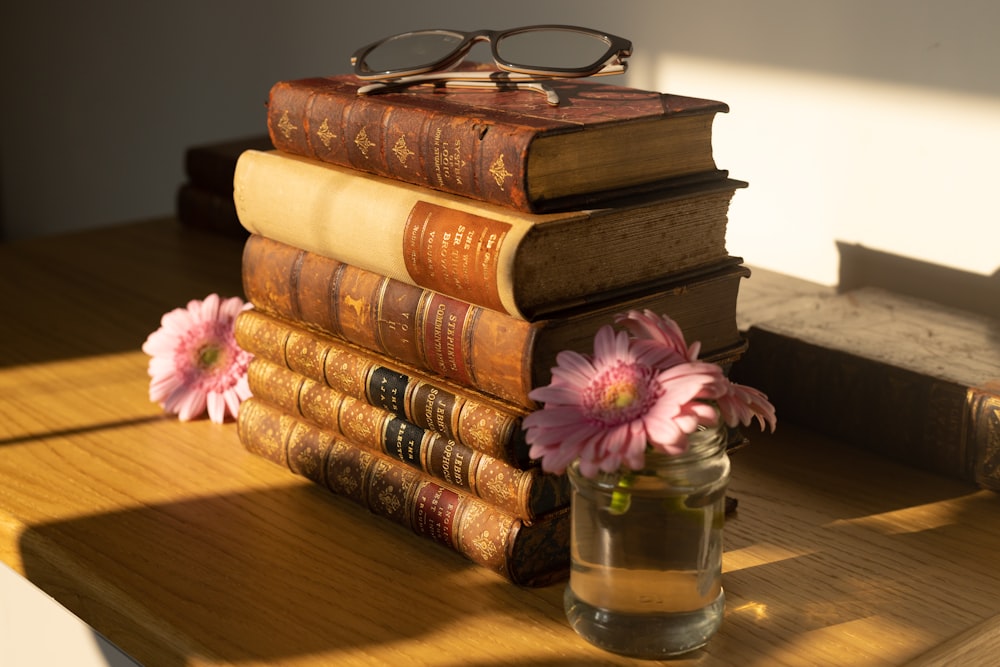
(526, 553)
(523, 264)
(458, 413)
(502, 356)
(526, 494)
(507, 147)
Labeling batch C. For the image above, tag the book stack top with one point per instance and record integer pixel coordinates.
(506, 147)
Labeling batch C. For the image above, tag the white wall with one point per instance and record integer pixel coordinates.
(868, 121)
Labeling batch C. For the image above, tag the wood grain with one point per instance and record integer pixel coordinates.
(184, 549)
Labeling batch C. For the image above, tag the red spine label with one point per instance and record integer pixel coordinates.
(454, 252)
(435, 508)
(444, 325)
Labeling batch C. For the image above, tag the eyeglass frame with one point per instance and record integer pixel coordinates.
(511, 75)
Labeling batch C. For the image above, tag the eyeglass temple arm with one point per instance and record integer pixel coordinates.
(385, 86)
(493, 79)
(501, 76)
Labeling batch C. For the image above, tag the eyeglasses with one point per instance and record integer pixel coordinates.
(526, 57)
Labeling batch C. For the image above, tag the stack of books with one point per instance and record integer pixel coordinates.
(417, 259)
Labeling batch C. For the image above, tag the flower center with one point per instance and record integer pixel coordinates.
(619, 394)
(208, 355)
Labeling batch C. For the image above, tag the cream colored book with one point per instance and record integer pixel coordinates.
(524, 264)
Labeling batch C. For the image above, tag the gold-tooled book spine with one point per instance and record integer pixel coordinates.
(475, 421)
(984, 429)
(522, 493)
(470, 345)
(484, 534)
(459, 154)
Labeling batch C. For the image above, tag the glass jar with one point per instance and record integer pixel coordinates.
(646, 555)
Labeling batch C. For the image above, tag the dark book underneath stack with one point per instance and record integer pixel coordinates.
(417, 259)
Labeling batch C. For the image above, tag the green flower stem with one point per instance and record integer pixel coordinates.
(621, 499)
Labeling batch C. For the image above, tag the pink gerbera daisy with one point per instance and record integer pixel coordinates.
(606, 409)
(641, 391)
(195, 362)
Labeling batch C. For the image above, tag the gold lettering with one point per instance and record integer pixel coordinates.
(446, 455)
(440, 419)
(437, 156)
(459, 469)
(429, 254)
(450, 341)
(439, 330)
(399, 443)
(461, 163)
(429, 406)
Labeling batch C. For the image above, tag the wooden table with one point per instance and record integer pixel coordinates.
(183, 549)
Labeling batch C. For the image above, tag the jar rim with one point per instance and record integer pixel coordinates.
(706, 443)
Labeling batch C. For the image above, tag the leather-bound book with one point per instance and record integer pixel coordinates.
(507, 147)
(526, 553)
(502, 356)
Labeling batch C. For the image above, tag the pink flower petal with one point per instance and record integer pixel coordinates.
(557, 395)
(658, 332)
(216, 407)
(741, 404)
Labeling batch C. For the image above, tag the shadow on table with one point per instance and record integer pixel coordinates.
(872, 590)
(260, 576)
(838, 549)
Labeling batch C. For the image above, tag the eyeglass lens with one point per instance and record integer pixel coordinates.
(551, 49)
(412, 50)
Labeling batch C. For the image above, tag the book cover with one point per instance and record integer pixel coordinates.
(526, 265)
(524, 493)
(526, 553)
(507, 147)
(499, 355)
(911, 379)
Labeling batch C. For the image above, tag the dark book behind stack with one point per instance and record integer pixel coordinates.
(205, 198)
(903, 376)
(404, 307)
